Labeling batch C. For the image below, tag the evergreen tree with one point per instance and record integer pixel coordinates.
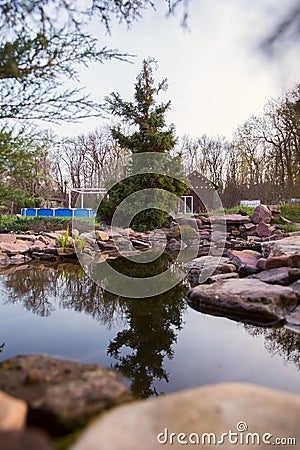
(149, 134)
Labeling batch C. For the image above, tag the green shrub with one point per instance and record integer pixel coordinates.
(36, 224)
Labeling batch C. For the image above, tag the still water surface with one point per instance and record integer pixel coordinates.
(160, 344)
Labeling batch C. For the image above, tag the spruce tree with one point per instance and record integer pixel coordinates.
(148, 133)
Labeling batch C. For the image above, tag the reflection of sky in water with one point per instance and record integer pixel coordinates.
(208, 349)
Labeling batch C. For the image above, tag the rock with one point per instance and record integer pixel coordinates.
(293, 319)
(4, 259)
(243, 408)
(25, 440)
(37, 246)
(26, 237)
(248, 300)
(296, 287)
(44, 256)
(199, 263)
(249, 226)
(66, 251)
(51, 249)
(222, 276)
(272, 262)
(245, 261)
(285, 246)
(280, 275)
(101, 235)
(61, 394)
(19, 259)
(8, 238)
(294, 274)
(46, 240)
(107, 246)
(139, 243)
(294, 260)
(12, 413)
(13, 249)
(263, 229)
(261, 214)
(231, 219)
(192, 222)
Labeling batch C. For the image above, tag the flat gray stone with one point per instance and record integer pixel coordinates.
(217, 409)
(285, 246)
(61, 394)
(245, 299)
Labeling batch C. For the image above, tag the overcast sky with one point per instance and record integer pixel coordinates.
(216, 73)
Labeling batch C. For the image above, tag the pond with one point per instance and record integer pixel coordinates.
(158, 344)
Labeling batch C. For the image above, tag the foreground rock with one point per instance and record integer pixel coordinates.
(12, 413)
(25, 440)
(182, 420)
(248, 300)
(61, 395)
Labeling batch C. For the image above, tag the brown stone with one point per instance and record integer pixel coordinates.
(61, 394)
(222, 276)
(101, 235)
(261, 263)
(37, 246)
(249, 226)
(8, 238)
(25, 440)
(294, 274)
(261, 214)
(273, 261)
(26, 237)
(294, 260)
(249, 300)
(19, 259)
(245, 260)
(279, 275)
(13, 249)
(12, 412)
(4, 259)
(263, 230)
(66, 251)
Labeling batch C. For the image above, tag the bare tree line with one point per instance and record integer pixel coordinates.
(263, 159)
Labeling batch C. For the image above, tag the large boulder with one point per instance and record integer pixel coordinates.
(248, 300)
(25, 440)
(251, 416)
(61, 394)
(261, 214)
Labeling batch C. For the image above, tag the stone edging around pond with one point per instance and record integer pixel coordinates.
(248, 286)
(61, 396)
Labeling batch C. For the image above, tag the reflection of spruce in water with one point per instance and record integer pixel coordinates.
(279, 341)
(152, 328)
